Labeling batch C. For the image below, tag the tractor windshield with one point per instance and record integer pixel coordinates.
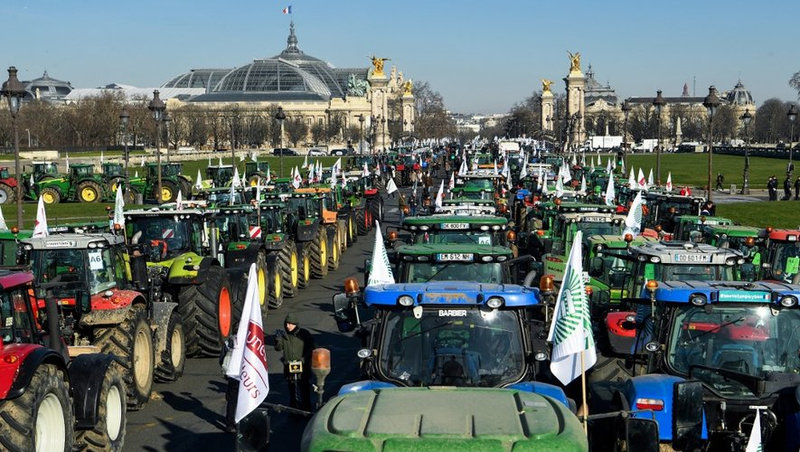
(485, 184)
(646, 271)
(162, 232)
(93, 267)
(754, 340)
(482, 272)
(785, 262)
(271, 221)
(15, 319)
(452, 347)
(232, 228)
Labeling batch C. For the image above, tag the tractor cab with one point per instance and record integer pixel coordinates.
(443, 228)
(220, 175)
(690, 227)
(452, 262)
(43, 170)
(783, 256)
(112, 170)
(169, 233)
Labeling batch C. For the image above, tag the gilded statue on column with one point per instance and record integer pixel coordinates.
(575, 61)
(546, 85)
(378, 64)
(407, 87)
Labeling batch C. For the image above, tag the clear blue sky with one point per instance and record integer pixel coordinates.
(482, 56)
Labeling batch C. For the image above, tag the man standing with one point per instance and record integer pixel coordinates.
(797, 188)
(787, 188)
(296, 344)
(772, 188)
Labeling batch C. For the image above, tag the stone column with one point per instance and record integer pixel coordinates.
(547, 107)
(409, 112)
(378, 86)
(576, 84)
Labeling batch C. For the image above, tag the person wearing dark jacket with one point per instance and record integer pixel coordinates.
(296, 344)
(787, 188)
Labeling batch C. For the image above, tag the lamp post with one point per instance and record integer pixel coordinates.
(746, 118)
(124, 118)
(281, 116)
(361, 142)
(158, 107)
(383, 134)
(372, 133)
(626, 109)
(658, 103)
(166, 120)
(28, 131)
(711, 102)
(13, 90)
(792, 115)
(231, 120)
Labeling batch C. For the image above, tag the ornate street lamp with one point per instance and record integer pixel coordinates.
(792, 115)
(361, 142)
(158, 107)
(281, 116)
(124, 118)
(626, 109)
(711, 102)
(13, 90)
(658, 103)
(166, 119)
(746, 118)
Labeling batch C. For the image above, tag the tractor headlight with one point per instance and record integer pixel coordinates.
(789, 301)
(698, 299)
(405, 300)
(494, 302)
(540, 356)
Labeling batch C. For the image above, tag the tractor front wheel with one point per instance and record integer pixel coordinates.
(207, 313)
(51, 196)
(41, 419)
(169, 191)
(89, 192)
(319, 254)
(173, 359)
(109, 431)
(291, 272)
(304, 275)
(131, 343)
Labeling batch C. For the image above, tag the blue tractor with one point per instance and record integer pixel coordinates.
(713, 354)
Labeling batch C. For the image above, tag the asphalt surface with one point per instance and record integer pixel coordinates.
(189, 415)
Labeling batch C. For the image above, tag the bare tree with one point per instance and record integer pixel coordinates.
(296, 129)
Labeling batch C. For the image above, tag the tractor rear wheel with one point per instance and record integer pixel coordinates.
(336, 250)
(361, 222)
(173, 359)
(275, 295)
(51, 196)
(113, 183)
(207, 313)
(109, 432)
(89, 191)
(291, 271)
(169, 191)
(304, 276)
(7, 194)
(131, 343)
(319, 253)
(41, 419)
(352, 231)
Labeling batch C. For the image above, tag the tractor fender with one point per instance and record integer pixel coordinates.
(185, 276)
(331, 231)
(545, 389)
(112, 312)
(162, 310)
(655, 387)
(86, 373)
(33, 356)
(306, 233)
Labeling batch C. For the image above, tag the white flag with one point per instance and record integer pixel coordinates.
(523, 172)
(199, 182)
(297, 180)
(452, 184)
(119, 204)
(40, 225)
(610, 193)
(608, 165)
(631, 179)
(101, 157)
(32, 181)
(462, 170)
(571, 330)
(311, 174)
(142, 165)
(559, 188)
(633, 222)
(641, 180)
(248, 362)
(231, 196)
(754, 443)
(237, 181)
(391, 187)
(650, 180)
(381, 271)
(179, 200)
(136, 174)
(583, 184)
(3, 225)
(669, 181)
(494, 168)
(336, 168)
(622, 166)
(241, 157)
(305, 162)
(67, 161)
(440, 197)
(365, 172)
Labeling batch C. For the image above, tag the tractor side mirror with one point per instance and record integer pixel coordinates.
(687, 415)
(344, 311)
(641, 434)
(596, 268)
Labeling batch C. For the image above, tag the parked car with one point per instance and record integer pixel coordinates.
(341, 151)
(284, 151)
(316, 152)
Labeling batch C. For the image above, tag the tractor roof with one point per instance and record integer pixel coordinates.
(734, 230)
(701, 219)
(439, 221)
(784, 235)
(73, 240)
(162, 212)
(616, 241)
(448, 293)
(592, 217)
(727, 291)
(10, 279)
(677, 252)
(454, 252)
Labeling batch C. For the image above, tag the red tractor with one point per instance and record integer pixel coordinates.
(52, 397)
(8, 186)
(782, 261)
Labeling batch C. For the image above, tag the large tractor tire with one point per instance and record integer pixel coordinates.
(129, 196)
(41, 419)
(51, 196)
(89, 191)
(344, 239)
(108, 434)
(291, 269)
(304, 274)
(170, 365)
(185, 187)
(318, 249)
(335, 254)
(207, 313)
(131, 343)
(113, 183)
(352, 229)
(275, 295)
(7, 194)
(361, 222)
(169, 191)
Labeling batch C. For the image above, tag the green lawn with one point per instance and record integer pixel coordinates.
(778, 214)
(56, 214)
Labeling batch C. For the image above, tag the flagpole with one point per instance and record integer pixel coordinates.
(583, 395)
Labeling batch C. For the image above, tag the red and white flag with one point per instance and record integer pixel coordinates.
(40, 225)
(248, 362)
(452, 184)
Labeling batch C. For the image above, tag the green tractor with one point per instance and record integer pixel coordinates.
(113, 175)
(218, 176)
(255, 170)
(38, 171)
(183, 246)
(289, 262)
(81, 184)
(172, 181)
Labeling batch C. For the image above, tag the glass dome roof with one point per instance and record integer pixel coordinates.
(47, 88)
(739, 95)
(197, 78)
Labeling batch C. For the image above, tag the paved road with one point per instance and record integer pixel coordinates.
(188, 415)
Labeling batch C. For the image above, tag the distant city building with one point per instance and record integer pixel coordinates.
(597, 96)
(47, 89)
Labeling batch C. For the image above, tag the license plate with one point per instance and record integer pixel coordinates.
(455, 225)
(692, 258)
(454, 257)
(595, 219)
